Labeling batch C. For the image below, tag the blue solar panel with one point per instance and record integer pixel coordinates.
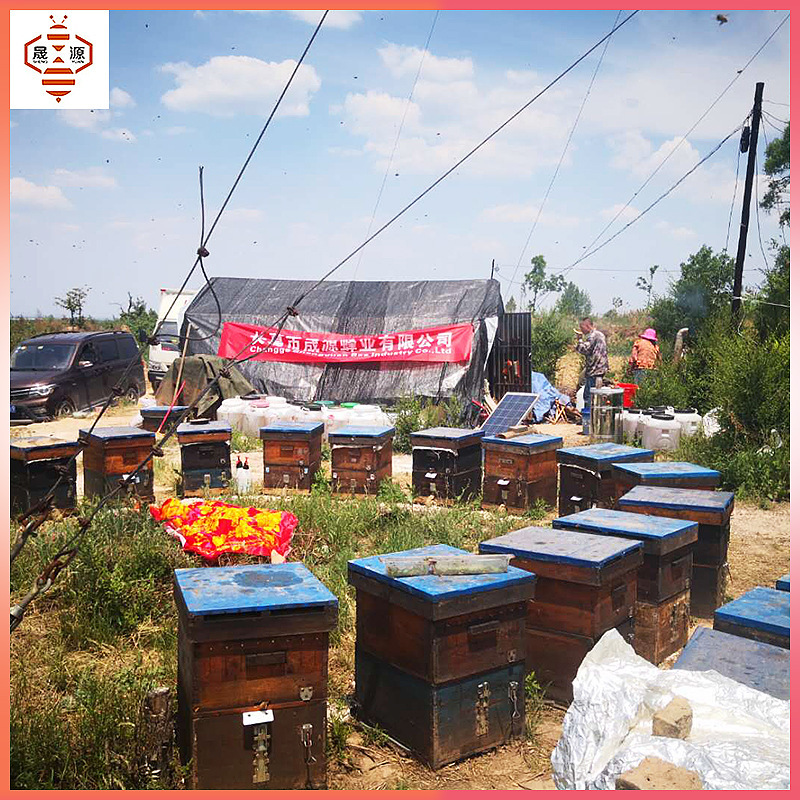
(513, 408)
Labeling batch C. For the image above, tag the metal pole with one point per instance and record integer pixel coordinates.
(748, 191)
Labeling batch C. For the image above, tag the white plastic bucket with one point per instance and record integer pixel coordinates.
(661, 432)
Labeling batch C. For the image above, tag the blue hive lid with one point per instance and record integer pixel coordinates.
(622, 523)
(434, 588)
(561, 546)
(531, 441)
(212, 426)
(361, 432)
(292, 427)
(251, 587)
(30, 444)
(455, 434)
(783, 583)
(761, 609)
(666, 469)
(679, 499)
(160, 411)
(121, 432)
(605, 452)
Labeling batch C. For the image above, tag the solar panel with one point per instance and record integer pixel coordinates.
(512, 409)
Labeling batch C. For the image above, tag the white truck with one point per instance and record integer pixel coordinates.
(168, 347)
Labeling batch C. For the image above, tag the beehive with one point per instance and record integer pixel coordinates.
(712, 511)
(446, 462)
(586, 477)
(253, 676)
(521, 470)
(111, 454)
(292, 454)
(675, 474)
(585, 585)
(361, 457)
(153, 417)
(761, 614)
(661, 618)
(37, 462)
(440, 660)
(205, 456)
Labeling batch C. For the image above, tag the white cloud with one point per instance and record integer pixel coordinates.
(119, 98)
(335, 19)
(513, 212)
(177, 130)
(676, 231)
(94, 177)
(28, 193)
(244, 214)
(627, 215)
(404, 61)
(118, 135)
(227, 85)
(86, 119)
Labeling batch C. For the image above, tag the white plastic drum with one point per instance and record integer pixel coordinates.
(661, 432)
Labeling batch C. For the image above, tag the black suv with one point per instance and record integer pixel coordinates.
(57, 373)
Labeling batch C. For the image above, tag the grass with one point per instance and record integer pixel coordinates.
(90, 649)
(242, 443)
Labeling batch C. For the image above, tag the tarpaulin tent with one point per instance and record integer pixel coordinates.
(358, 308)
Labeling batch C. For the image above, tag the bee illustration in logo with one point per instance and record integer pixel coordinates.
(58, 74)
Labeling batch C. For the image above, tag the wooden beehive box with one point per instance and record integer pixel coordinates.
(292, 454)
(361, 457)
(253, 670)
(37, 462)
(112, 453)
(760, 666)
(761, 614)
(585, 585)
(520, 471)
(446, 462)
(712, 511)
(205, 456)
(440, 660)
(676, 474)
(586, 477)
(783, 583)
(153, 417)
(661, 618)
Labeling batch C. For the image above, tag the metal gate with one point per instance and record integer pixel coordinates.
(510, 360)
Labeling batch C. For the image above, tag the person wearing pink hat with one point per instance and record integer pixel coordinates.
(645, 354)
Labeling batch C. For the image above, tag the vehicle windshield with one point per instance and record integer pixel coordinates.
(168, 337)
(42, 356)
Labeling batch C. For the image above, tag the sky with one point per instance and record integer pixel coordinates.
(109, 199)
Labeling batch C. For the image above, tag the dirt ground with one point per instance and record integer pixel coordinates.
(758, 554)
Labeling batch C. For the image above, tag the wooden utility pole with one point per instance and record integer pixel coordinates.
(748, 191)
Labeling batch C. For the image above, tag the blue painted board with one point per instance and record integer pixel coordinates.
(251, 587)
(783, 583)
(604, 454)
(663, 470)
(758, 665)
(307, 428)
(360, 432)
(455, 434)
(26, 448)
(435, 588)
(212, 426)
(160, 411)
(561, 547)
(683, 499)
(761, 609)
(121, 432)
(659, 534)
(534, 442)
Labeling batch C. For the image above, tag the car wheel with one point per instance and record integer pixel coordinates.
(132, 395)
(65, 408)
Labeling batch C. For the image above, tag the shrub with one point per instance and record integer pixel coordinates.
(551, 336)
(418, 413)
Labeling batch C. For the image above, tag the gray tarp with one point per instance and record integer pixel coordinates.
(360, 307)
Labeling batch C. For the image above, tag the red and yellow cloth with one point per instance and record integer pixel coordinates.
(210, 527)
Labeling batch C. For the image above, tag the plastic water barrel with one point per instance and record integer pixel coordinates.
(661, 432)
(630, 422)
(644, 416)
(689, 419)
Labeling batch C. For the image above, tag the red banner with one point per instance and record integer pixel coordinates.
(450, 343)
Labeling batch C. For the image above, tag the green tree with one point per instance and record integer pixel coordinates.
(537, 282)
(574, 302)
(776, 165)
(511, 306)
(551, 336)
(647, 285)
(73, 302)
(138, 316)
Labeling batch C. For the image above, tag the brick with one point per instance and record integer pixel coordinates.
(674, 720)
(653, 773)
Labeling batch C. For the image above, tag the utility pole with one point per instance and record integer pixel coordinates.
(748, 191)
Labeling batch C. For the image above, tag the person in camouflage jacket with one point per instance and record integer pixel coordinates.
(592, 345)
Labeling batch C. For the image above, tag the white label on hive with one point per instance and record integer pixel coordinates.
(257, 717)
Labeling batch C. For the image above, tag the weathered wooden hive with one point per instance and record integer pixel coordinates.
(446, 462)
(37, 462)
(675, 474)
(361, 457)
(205, 456)
(153, 417)
(761, 614)
(292, 454)
(112, 454)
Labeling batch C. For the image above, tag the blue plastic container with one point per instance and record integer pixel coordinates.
(586, 415)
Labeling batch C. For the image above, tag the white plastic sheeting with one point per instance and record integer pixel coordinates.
(739, 737)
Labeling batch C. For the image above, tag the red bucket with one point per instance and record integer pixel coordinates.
(629, 390)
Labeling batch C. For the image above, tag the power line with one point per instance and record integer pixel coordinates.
(397, 138)
(733, 199)
(563, 152)
(776, 103)
(684, 138)
(777, 119)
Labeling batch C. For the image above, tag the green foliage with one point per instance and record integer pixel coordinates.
(774, 319)
(776, 165)
(391, 491)
(138, 317)
(536, 282)
(73, 302)
(539, 510)
(419, 413)
(511, 306)
(551, 336)
(646, 284)
(336, 743)
(574, 302)
(242, 443)
(534, 704)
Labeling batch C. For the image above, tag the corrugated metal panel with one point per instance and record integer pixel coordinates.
(510, 362)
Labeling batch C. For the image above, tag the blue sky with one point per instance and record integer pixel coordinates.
(109, 199)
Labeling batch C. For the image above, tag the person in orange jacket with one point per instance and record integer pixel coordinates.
(645, 354)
